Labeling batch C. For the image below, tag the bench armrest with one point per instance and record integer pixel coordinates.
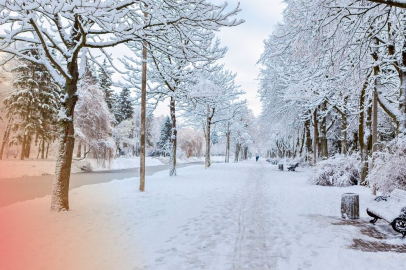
(381, 198)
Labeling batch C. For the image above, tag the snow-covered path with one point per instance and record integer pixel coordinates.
(231, 216)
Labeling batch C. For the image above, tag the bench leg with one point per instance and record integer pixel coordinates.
(373, 221)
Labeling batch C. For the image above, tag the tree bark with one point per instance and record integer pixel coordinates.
(361, 133)
(402, 88)
(60, 190)
(43, 148)
(47, 150)
(28, 146)
(207, 156)
(237, 152)
(375, 122)
(143, 115)
(79, 150)
(174, 138)
(323, 139)
(315, 137)
(228, 144)
(375, 97)
(23, 147)
(5, 138)
(309, 149)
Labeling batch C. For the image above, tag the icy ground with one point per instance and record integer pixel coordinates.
(231, 216)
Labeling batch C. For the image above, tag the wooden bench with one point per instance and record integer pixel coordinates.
(391, 208)
(293, 167)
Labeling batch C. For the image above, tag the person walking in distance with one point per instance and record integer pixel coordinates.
(256, 158)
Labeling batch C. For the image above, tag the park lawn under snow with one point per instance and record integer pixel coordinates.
(231, 216)
(12, 168)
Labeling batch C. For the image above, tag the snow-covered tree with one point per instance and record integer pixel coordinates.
(93, 120)
(105, 82)
(124, 109)
(33, 105)
(212, 100)
(65, 33)
(164, 144)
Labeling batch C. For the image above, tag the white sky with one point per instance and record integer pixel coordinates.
(245, 45)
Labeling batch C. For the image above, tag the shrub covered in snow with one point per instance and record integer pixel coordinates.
(339, 171)
(388, 169)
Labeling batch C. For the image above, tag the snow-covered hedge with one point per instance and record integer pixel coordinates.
(339, 171)
(388, 170)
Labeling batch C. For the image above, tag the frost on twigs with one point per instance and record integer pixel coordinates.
(339, 171)
(389, 167)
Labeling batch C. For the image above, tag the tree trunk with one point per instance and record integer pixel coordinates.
(315, 137)
(207, 157)
(28, 147)
(60, 190)
(344, 134)
(5, 138)
(47, 150)
(23, 147)
(43, 148)
(402, 73)
(361, 133)
(237, 152)
(228, 144)
(302, 143)
(323, 139)
(308, 138)
(143, 115)
(174, 138)
(39, 149)
(375, 98)
(375, 122)
(79, 150)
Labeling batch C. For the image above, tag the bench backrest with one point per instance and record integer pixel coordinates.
(399, 195)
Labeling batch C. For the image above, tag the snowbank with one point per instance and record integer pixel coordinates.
(13, 168)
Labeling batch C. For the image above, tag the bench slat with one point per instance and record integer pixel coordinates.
(399, 195)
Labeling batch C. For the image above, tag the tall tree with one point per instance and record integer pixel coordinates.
(105, 83)
(164, 143)
(33, 105)
(124, 108)
(70, 31)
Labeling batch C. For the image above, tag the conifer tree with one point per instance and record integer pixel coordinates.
(104, 76)
(34, 105)
(164, 143)
(124, 106)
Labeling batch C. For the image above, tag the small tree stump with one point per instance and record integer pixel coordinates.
(350, 206)
(280, 167)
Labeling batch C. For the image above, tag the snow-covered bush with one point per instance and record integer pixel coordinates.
(339, 171)
(388, 169)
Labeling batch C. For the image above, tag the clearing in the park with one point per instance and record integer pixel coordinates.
(234, 216)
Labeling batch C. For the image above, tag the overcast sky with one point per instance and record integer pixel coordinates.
(245, 44)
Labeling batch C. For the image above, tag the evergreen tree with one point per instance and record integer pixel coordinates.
(33, 105)
(164, 143)
(105, 83)
(124, 109)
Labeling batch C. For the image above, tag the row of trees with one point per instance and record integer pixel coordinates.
(334, 79)
(173, 38)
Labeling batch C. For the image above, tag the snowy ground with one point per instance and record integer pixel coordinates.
(231, 216)
(12, 168)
